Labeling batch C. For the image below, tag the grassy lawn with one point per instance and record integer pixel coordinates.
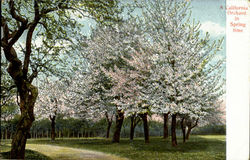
(197, 148)
(5, 153)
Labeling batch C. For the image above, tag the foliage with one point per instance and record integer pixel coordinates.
(49, 25)
(9, 111)
(10, 125)
(210, 129)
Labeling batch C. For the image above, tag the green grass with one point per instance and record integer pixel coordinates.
(29, 154)
(197, 148)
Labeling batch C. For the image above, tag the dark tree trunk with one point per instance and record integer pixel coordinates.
(173, 130)
(28, 94)
(132, 129)
(19, 73)
(190, 127)
(183, 128)
(53, 130)
(108, 129)
(87, 134)
(109, 121)
(134, 121)
(145, 126)
(118, 125)
(165, 125)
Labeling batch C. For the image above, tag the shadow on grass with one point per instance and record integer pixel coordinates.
(157, 144)
(29, 154)
(194, 144)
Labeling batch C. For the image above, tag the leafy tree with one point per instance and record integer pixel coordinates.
(54, 23)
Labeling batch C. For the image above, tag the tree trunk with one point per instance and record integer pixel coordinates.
(118, 125)
(183, 128)
(173, 130)
(132, 128)
(87, 134)
(108, 129)
(145, 126)
(190, 127)
(109, 121)
(28, 94)
(165, 125)
(188, 132)
(53, 130)
(6, 134)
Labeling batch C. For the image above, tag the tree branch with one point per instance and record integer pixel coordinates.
(17, 34)
(29, 39)
(13, 13)
(5, 31)
(196, 123)
(33, 75)
(46, 11)
(138, 119)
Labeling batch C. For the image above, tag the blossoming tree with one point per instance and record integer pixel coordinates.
(187, 73)
(51, 102)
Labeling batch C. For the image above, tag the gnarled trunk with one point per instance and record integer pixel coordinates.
(118, 126)
(183, 128)
(145, 126)
(28, 94)
(165, 125)
(173, 130)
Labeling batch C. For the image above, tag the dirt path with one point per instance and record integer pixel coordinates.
(63, 153)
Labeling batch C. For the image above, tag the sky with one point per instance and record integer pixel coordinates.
(212, 16)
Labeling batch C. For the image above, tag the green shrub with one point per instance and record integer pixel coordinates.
(210, 129)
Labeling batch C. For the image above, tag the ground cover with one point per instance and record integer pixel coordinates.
(208, 147)
(29, 154)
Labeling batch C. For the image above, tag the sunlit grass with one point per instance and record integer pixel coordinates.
(29, 154)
